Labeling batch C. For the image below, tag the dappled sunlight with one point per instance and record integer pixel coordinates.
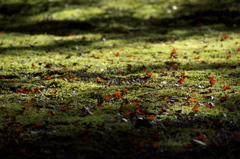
(128, 78)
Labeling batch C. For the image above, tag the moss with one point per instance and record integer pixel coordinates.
(87, 72)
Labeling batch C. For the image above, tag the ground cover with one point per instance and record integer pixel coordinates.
(119, 79)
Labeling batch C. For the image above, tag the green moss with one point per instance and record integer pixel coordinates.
(99, 54)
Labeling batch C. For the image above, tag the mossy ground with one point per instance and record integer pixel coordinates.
(101, 79)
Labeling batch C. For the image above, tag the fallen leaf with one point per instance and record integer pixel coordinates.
(36, 90)
(212, 80)
(70, 77)
(147, 82)
(117, 54)
(191, 99)
(127, 113)
(201, 137)
(47, 77)
(181, 81)
(196, 58)
(174, 51)
(99, 79)
(65, 108)
(149, 74)
(93, 56)
(226, 87)
(64, 68)
(195, 108)
(33, 65)
(151, 117)
(210, 105)
(238, 50)
(224, 37)
(117, 94)
(228, 56)
(54, 91)
(108, 98)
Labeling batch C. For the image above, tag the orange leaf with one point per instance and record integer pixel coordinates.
(226, 87)
(48, 77)
(54, 91)
(139, 111)
(147, 82)
(195, 108)
(117, 94)
(99, 79)
(33, 65)
(193, 91)
(126, 114)
(209, 104)
(212, 80)
(174, 51)
(149, 74)
(70, 77)
(93, 56)
(191, 99)
(196, 58)
(130, 56)
(224, 37)
(151, 117)
(181, 81)
(64, 68)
